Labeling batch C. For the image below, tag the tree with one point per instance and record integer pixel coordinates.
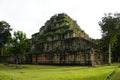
(116, 51)
(19, 45)
(110, 26)
(4, 34)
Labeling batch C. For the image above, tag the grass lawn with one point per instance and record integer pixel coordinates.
(116, 76)
(45, 72)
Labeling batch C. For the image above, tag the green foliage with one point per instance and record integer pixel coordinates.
(7, 51)
(19, 45)
(19, 42)
(4, 34)
(110, 26)
(116, 50)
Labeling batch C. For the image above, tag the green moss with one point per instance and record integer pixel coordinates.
(56, 28)
(48, 34)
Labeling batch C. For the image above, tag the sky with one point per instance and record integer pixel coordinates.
(29, 15)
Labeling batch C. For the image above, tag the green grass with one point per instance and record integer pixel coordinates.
(116, 75)
(44, 72)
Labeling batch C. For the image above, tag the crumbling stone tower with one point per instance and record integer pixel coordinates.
(62, 41)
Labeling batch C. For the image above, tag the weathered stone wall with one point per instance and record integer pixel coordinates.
(81, 58)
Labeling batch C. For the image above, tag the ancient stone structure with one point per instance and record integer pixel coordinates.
(62, 41)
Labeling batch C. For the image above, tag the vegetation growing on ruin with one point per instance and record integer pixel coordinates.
(51, 30)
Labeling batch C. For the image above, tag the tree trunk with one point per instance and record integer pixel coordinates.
(64, 58)
(2, 60)
(118, 59)
(36, 59)
(2, 51)
(109, 55)
(74, 58)
(16, 62)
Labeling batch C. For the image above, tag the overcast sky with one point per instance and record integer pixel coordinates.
(30, 15)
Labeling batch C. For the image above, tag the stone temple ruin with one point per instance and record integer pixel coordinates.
(62, 41)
